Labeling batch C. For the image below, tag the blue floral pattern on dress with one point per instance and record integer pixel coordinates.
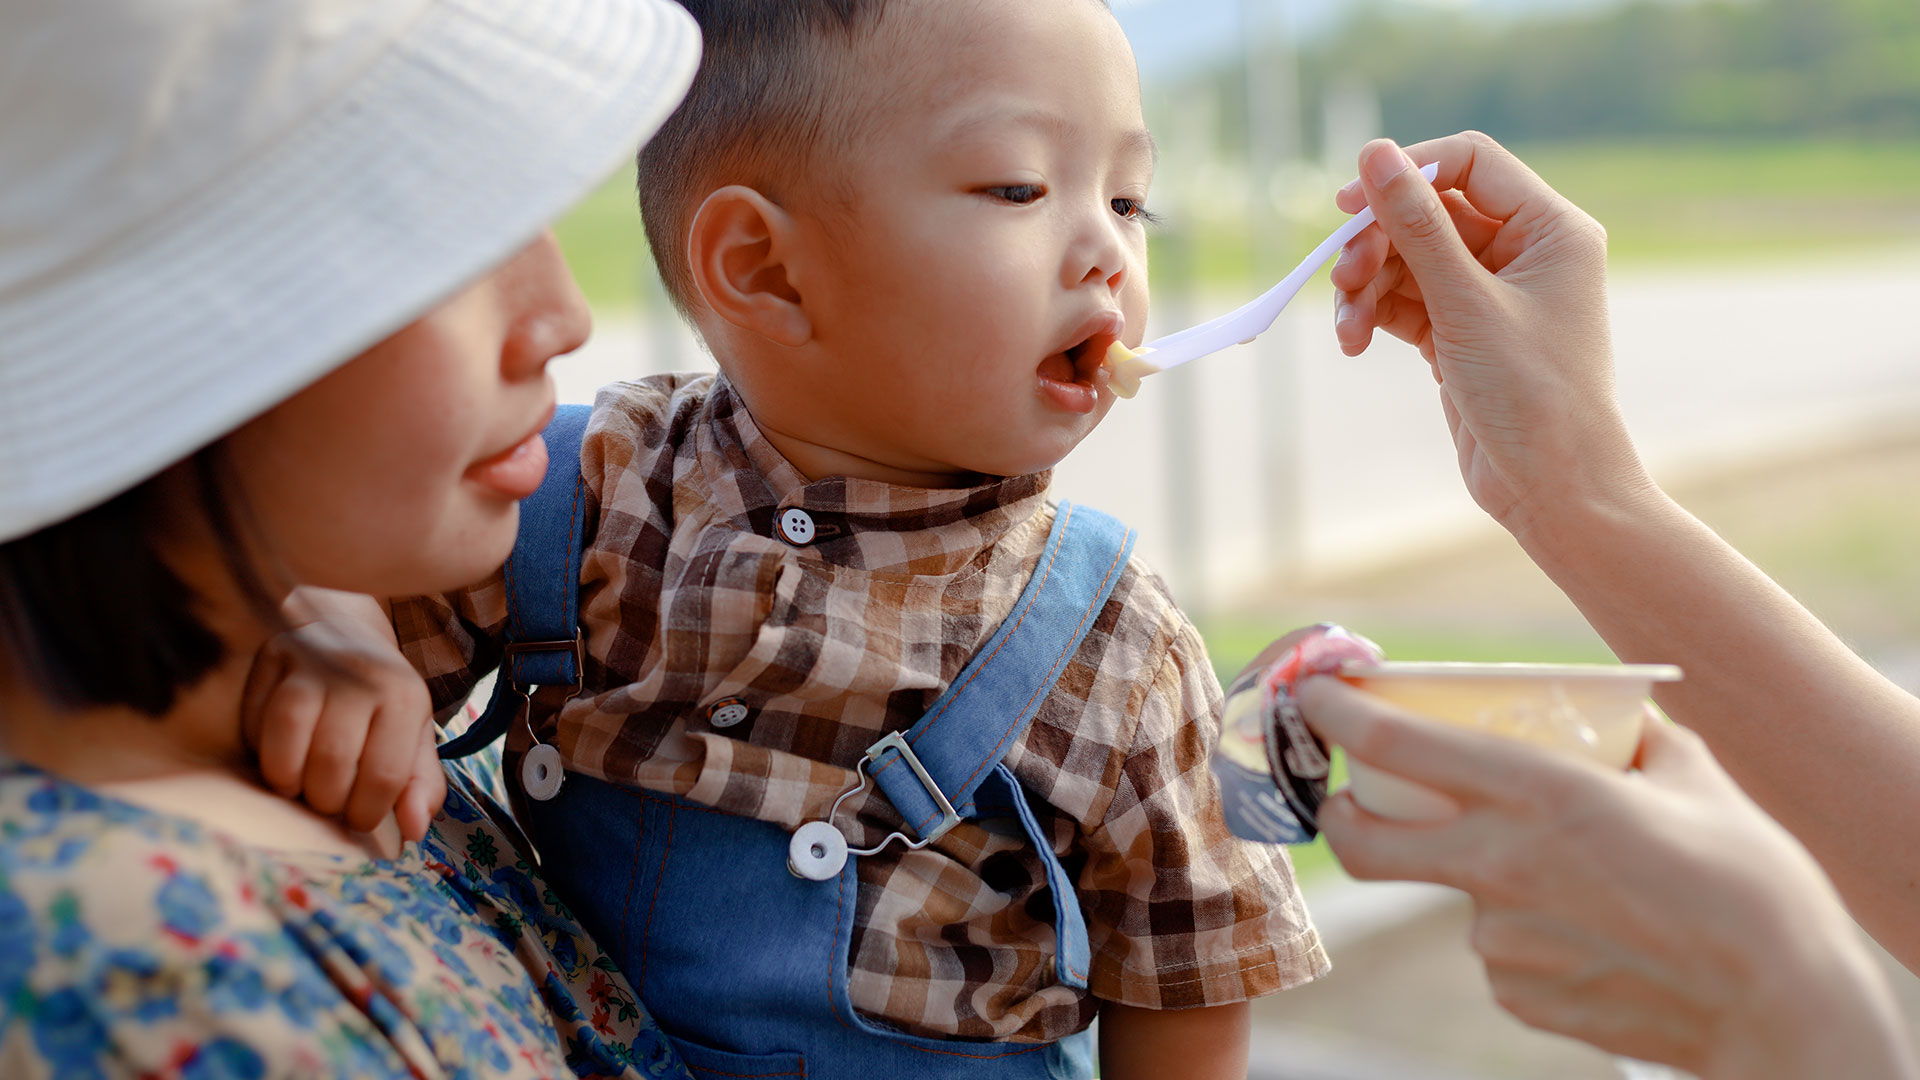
(137, 944)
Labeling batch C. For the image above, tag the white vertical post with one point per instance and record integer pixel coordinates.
(1190, 140)
(1273, 142)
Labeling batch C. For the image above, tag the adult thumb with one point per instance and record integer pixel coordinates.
(1417, 222)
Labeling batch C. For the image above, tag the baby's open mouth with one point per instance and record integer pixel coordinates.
(1076, 378)
(1083, 364)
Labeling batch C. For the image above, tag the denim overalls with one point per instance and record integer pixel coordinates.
(742, 961)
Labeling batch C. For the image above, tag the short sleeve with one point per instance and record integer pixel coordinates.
(453, 640)
(1181, 913)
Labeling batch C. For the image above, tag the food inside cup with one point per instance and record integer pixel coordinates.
(1595, 710)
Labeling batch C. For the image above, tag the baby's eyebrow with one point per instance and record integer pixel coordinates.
(1141, 140)
(1137, 141)
(983, 120)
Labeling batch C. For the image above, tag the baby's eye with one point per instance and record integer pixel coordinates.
(1018, 194)
(1134, 210)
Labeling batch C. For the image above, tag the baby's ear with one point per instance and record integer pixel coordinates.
(739, 246)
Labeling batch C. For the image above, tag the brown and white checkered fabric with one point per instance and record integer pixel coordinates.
(689, 597)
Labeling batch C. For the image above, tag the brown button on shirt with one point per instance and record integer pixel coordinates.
(746, 661)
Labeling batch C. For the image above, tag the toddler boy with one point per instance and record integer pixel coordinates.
(908, 230)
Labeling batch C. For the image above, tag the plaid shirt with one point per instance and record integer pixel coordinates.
(691, 599)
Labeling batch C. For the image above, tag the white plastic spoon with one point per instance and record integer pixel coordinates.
(1236, 327)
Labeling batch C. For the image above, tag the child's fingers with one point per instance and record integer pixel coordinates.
(287, 720)
(426, 790)
(333, 756)
(386, 764)
(268, 668)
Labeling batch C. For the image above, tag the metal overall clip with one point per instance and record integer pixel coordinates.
(541, 771)
(818, 850)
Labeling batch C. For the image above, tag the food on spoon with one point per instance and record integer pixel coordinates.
(1127, 368)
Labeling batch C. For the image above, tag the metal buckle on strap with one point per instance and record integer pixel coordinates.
(575, 645)
(898, 743)
(818, 850)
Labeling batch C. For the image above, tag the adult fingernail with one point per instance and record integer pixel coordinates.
(1350, 186)
(1387, 162)
(1343, 315)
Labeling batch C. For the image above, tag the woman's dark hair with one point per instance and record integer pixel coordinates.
(92, 615)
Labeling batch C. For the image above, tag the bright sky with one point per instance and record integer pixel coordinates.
(1170, 34)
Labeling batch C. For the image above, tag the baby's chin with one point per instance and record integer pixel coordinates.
(1039, 450)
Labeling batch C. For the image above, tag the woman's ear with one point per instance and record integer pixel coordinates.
(740, 247)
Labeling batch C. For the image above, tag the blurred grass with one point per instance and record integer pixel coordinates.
(1662, 203)
(1687, 201)
(607, 248)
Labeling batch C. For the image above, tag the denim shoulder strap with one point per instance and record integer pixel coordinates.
(948, 765)
(543, 585)
(993, 699)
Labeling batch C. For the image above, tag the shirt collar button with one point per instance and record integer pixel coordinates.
(796, 527)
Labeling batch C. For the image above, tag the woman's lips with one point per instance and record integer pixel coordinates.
(516, 472)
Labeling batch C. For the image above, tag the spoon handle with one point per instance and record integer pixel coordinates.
(1249, 321)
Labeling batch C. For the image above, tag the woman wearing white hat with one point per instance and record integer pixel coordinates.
(275, 309)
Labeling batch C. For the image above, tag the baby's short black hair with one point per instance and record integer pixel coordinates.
(769, 104)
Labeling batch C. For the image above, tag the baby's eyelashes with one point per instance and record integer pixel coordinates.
(1131, 209)
(1017, 194)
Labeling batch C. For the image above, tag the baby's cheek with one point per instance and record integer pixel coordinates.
(1136, 304)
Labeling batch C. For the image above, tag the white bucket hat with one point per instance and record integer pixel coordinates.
(206, 205)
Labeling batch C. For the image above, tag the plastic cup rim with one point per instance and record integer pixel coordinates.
(1460, 669)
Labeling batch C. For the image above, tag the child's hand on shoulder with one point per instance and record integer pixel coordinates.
(339, 719)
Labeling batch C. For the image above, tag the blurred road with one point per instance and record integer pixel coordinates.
(1407, 1000)
(1716, 365)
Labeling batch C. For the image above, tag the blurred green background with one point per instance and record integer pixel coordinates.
(1694, 131)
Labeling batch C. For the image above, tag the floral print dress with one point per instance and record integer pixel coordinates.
(135, 944)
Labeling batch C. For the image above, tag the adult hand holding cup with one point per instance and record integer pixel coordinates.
(1596, 711)
(1657, 914)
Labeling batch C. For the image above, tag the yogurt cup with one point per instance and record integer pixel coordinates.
(1594, 710)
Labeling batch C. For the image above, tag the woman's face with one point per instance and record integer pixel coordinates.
(400, 473)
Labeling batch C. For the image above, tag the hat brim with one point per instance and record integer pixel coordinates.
(478, 127)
